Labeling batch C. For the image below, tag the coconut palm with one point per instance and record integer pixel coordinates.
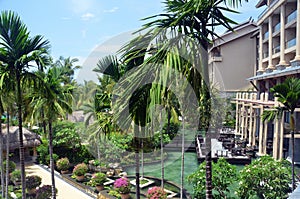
(288, 94)
(16, 50)
(68, 68)
(56, 99)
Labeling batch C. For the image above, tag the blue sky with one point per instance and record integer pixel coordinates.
(76, 28)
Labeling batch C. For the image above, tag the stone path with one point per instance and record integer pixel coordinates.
(65, 190)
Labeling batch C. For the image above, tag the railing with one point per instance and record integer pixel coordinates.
(266, 35)
(265, 54)
(266, 10)
(291, 17)
(276, 49)
(276, 27)
(291, 43)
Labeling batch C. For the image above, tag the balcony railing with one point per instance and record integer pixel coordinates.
(276, 28)
(266, 35)
(276, 49)
(291, 17)
(266, 10)
(291, 43)
(265, 55)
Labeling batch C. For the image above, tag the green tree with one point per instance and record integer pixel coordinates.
(224, 175)
(265, 178)
(16, 52)
(56, 100)
(288, 94)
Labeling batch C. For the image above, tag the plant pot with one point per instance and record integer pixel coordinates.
(99, 187)
(64, 171)
(125, 195)
(80, 178)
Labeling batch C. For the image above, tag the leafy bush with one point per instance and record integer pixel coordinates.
(224, 174)
(156, 193)
(63, 164)
(16, 175)
(122, 185)
(265, 178)
(44, 192)
(11, 166)
(80, 169)
(98, 179)
(33, 181)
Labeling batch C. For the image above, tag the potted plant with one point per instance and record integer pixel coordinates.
(98, 180)
(156, 193)
(80, 170)
(122, 185)
(32, 182)
(44, 192)
(16, 177)
(63, 165)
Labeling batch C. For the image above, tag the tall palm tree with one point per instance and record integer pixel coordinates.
(56, 99)
(16, 50)
(288, 94)
(69, 67)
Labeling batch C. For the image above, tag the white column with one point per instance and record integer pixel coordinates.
(297, 57)
(261, 132)
(251, 125)
(261, 69)
(282, 36)
(280, 133)
(254, 129)
(270, 66)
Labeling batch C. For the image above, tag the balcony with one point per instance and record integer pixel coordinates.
(290, 43)
(265, 55)
(292, 17)
(276, 28)
(266, 35)
(276, 49)
(267, 9)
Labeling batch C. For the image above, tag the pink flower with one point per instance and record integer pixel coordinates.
(156, 193)
(122, 185)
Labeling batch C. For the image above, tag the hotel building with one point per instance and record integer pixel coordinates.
(278, 57)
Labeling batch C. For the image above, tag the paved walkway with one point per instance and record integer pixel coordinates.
(65, 190)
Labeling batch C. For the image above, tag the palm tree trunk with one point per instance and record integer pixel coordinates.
(21, 144)
(7, 154)
(182, 159)
(208, 167)
(137, 162)
(292, 123)
(51, 160)
(162, 159)
(1, 157)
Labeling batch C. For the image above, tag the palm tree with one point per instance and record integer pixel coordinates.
(56, 99)
(68, 68)
(288, 94)
(16, 50)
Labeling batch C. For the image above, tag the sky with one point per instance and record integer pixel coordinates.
(90, 29)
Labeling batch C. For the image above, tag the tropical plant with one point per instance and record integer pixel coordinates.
(98, 179)
(80, 169)
(122, 185)
(265, 178)
(11, 166)
(15, 175)
(156, 193)
(17, 48)
(33, 181)
(44, 192)
(63, 164)
(288, 94)
(224, 175)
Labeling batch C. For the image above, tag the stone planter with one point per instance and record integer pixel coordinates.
(125, 195)
(80, 178)
(99, 187)
(64, 171)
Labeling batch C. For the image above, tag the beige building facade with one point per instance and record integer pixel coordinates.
(233, 53)
(278, 58)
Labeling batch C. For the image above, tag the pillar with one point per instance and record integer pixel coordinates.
(270, 66)
(282, 62)
(296, 60)
(261, 132)
(261, 69)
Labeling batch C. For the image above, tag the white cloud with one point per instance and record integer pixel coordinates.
(87, 16)
(81, 6)
(83, 33)
(114, 9)
(66, 18)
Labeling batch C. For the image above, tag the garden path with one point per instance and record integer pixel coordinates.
(65, 190)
